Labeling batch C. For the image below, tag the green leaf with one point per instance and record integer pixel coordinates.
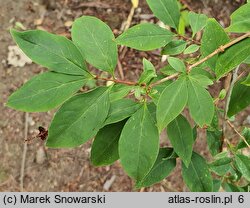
(197, 22)
(214, 36)
(222, 94)
(104, 150)
(240, 98)
(203, 80)
(168, 70)
(234, 173)
(221, 166)
(184, 16)
(181, 27)
(145, 37)
(180, 135)
(163, 166)
(121, 109)
(91, 84)
(191, 49)
(200, 103)
(119, 91)
(161, 87)
(184, 22)
(247, 81)
(245, 188)
(148, 72)
(175, 47)
(96, 42)
(221, 155)
(57, 53)
(167, 11)
(247, 61)
(232, 57)
(240, 20)
(195, 133)
(246, 134)
(156, 91)
(216, 185)
(197, 176)
(228, 187)
(171, 103)
(45, 92)
(214, 141)
(221, 170)
(201, 71)
(177, 64)
(138, 92)
(79, 119)
(139, 144)
(152, 110)
(215, 122)
(243, 163)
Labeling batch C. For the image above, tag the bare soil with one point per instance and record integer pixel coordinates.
(70, 169)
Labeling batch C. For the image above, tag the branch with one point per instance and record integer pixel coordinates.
(236, 131)
(186, 5)
(229, 93)
(117, 81)
(230, 90)
(120, 69)
(189, 39)
(220, 50)
(165, 79)
(24, 152)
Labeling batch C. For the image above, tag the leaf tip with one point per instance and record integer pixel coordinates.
(14, 33)
(186, 161)
(13, 30)
(138, 185)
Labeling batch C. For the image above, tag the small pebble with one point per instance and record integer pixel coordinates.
(109, 183)
(40, 156)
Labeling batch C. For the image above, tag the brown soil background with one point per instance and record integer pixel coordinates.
(70, 169)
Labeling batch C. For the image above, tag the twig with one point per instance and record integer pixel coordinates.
(186, 5)
(24, 152)
(130, 17)
(80, 175)
(165, 79)
(123, 51)
(189, 39)
(239, 134)
(117, 81)
(235, 76)
(142, 189)
(241, 75)
(127, 25)
(228, 98)
(120, 69)
(220, 50)
(227, 82)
